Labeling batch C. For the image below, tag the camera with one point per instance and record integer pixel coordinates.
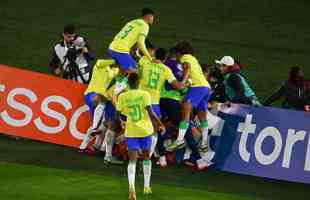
(75, 68)
(75, 49)
(72, 69)
(72, 53)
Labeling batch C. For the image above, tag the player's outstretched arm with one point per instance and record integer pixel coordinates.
(158, 126)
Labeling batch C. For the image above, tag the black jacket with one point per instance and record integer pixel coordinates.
(295, 97)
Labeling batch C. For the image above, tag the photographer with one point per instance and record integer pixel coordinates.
(71, 57)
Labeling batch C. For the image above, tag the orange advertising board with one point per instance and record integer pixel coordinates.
(42, 107)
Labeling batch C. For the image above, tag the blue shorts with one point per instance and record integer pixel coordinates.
(125, 60)
(199, 98)
(156, 109)
(135, 144)
(123, 118)
(110, 112)
(89, 100)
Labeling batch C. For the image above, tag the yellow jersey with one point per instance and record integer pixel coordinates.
(110, 94)
(128, 36)
(153, 77)
(144, 60)
(195, 71)
(133, 104)
(101, 77)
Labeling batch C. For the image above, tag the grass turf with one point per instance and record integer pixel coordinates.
(37, 169)
(32, 182)
(266, 36)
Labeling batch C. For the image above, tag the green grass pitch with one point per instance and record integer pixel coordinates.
(267, 36)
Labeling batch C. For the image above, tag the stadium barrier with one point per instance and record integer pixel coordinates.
(265, 142)
(42, 107)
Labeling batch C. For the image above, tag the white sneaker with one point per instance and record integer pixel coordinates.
(203, 164)
(107, 159)
(162, 161)
(112, 160)
(209, 155)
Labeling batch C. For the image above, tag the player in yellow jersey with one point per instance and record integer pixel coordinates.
(140, 124)
(153, 77)
(110, 115)
(104, 72)
(197, 96)
(133, 32)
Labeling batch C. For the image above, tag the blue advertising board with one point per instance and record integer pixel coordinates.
(263, 141)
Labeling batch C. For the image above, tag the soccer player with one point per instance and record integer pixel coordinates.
(103, 73)
(197, 96)
(153, 77)
(140, 125)
(110, 114)
(134, 32)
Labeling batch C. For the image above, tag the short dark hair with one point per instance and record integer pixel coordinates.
(147, 11)
(184, 47)
(161, 54)
(172, 51)
(133, 80)
(69, 28)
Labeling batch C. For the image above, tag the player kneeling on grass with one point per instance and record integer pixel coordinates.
(140, 124)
